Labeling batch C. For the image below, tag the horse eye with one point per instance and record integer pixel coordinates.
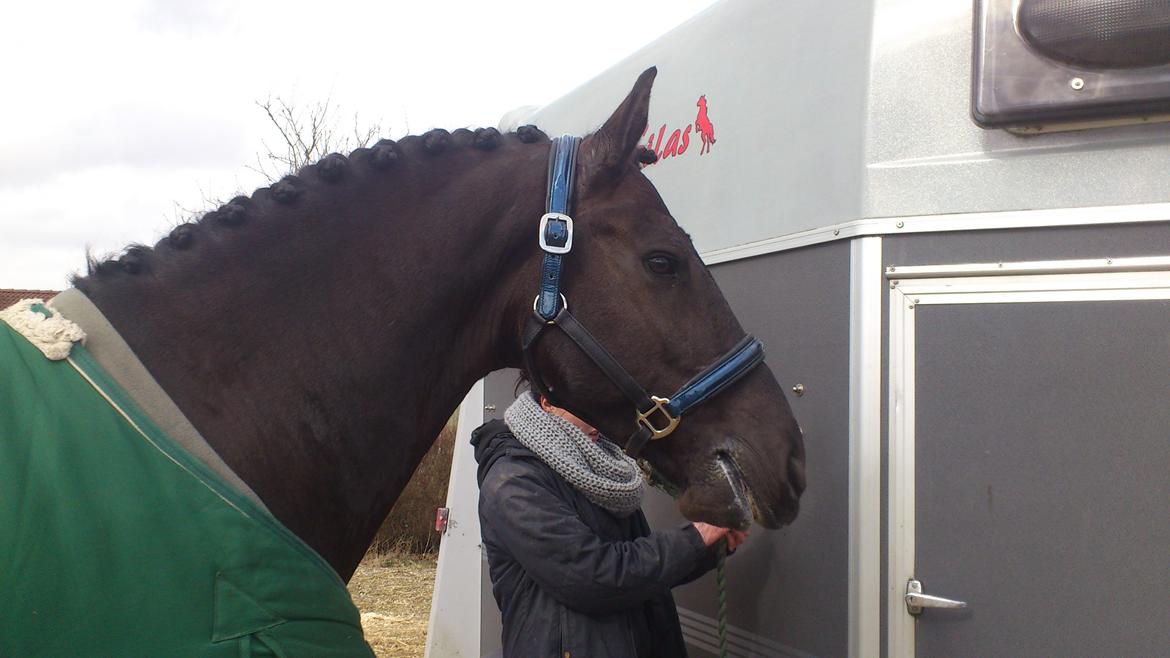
(661, 265)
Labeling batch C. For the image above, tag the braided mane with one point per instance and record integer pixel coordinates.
(384, 157)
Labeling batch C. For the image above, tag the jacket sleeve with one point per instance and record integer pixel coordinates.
(543, 533)
(708, 562)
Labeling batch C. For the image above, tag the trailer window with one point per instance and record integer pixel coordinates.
(1065, 64)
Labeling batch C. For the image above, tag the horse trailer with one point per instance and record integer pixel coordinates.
(949, 223)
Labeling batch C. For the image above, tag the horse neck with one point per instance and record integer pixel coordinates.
(320, 363)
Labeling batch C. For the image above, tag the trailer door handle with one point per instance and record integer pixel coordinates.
(916, 601)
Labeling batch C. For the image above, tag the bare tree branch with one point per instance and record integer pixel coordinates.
(308, 133)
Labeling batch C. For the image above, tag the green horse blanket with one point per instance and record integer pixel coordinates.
(117, 541)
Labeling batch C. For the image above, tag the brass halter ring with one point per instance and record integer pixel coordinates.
(659, 406)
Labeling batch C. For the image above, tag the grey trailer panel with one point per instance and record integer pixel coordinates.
(863, 112)
(785, 83)
(788, 589)
(1041, 499)
(1031, 244)
(925, 155)
(499, 392)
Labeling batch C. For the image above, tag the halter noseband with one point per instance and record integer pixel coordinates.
(656, 417)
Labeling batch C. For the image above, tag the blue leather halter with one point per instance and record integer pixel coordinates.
(551, 309)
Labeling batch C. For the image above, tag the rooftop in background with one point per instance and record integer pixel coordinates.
(10, 297)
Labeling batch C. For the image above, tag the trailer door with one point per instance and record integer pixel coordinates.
(1030, 460)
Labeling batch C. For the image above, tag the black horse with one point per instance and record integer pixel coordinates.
(319, 332)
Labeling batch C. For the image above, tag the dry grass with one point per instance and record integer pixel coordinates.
(393, 592)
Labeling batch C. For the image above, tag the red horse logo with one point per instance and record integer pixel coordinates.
(704, 127)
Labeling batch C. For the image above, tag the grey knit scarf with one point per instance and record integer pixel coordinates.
(601, 471)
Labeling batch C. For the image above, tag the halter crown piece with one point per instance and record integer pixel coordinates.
(655, 417)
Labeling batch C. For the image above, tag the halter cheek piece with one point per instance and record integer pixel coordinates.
(656, 417)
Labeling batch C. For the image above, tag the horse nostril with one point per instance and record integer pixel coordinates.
(796, 474)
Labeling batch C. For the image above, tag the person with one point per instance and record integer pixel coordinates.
(575, 569)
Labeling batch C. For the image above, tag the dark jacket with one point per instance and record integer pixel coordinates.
(571, 579)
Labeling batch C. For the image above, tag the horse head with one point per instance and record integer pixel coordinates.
(636, 281)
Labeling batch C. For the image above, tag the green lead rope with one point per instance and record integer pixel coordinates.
(660, 482)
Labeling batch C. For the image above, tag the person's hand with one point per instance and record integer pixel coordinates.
(735, 538)
(711, 535)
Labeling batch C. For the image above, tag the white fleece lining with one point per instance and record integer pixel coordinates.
(53, 335)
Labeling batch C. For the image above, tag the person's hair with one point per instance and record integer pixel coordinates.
(522, 382)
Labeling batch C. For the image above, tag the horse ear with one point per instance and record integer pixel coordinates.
(606, 153)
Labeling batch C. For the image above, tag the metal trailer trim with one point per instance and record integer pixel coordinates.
(1071, 286)
(900, 547)
(1086, 266)
(865, 434)
(453, 630)
(976, 221)
(1050, 286)
(703, 632)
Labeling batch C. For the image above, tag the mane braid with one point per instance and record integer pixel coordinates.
(531, 134)
(486, 139)
(134, 260)
(286, 189)
(436, 141)
(234, 213)
(332, 167)
(461, 137)
(384, 155)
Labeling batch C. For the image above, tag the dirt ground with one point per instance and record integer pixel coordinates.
(393, 592)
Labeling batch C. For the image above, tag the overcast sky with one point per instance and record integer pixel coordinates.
(121, 117)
